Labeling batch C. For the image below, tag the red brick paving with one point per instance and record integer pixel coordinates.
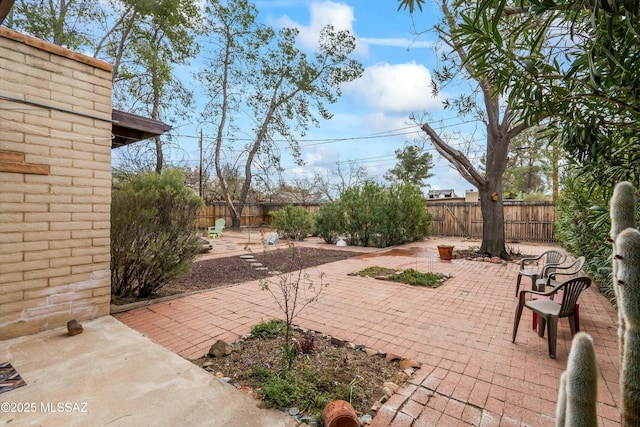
(472, 374)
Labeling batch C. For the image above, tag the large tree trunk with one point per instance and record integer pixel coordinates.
(491, 205)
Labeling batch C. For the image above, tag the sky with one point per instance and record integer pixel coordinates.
(371, 119)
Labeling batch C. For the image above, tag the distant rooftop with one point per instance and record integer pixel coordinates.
(438, 194)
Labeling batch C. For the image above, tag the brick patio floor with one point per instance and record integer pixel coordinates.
(472, 374)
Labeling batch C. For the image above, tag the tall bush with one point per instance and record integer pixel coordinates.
(331, 222)
(374, 215)
(363, 208)
(583, 221)
(293, 222)
(152, 232)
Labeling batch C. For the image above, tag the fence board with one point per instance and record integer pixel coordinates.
(526, 221)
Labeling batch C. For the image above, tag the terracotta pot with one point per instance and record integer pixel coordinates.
(339, 413)
(445, 251)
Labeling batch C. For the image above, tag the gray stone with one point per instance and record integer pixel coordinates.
(294, 411)
(226, 379)
(220, 349)
(74, 327)
(370, 352)
(338, 341)
(408, 371)
(391, 386)
(261, 268)
(387, 392)
(256, 264)
(247, 257)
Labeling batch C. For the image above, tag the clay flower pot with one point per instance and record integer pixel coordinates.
(339, 413)
(445, 251)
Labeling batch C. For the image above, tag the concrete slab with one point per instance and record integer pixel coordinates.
(112, 375)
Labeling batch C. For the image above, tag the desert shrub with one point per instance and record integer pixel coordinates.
(362, 206)
(384, 216)
(405, 216)
(330, 222)
(583, 226)
(293, 222)
(152, 232)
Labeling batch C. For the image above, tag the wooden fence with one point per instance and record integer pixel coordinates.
(524, 221)
(253, 214)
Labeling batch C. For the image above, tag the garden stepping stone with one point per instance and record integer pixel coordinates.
(256, 264)
(246, 257)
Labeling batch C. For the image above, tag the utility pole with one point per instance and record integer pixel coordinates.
(201, 187)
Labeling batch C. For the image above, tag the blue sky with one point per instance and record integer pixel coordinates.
(372, 116)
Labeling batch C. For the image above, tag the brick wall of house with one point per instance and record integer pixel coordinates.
(55, 185)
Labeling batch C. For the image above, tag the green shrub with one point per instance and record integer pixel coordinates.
(152, 232)
(330, 222)
(362, 206)
(384, 216)
(293, 222)
(582, 228)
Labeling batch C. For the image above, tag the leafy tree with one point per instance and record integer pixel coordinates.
(151, 40)
(484, 102)
(153, 218)
(529, 166)
(143, 40)
(414, 166)
(579, 67)
(254, 69)
(65, 23)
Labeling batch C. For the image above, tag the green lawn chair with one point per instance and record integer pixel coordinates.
(217, 230)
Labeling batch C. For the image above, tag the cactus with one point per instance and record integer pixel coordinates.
(622, 208)
(627, 280)
(578, 394)
(626, 285)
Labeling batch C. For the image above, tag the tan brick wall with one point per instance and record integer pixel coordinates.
(54, 212)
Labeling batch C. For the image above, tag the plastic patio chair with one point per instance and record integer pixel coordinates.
(217, 230)
(550, 311)
(549, 260)
(549, 278)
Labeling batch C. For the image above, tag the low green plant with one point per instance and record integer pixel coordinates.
(374, 271)
(293, 222)
(310, 389)
(417, 278)
(268, 329)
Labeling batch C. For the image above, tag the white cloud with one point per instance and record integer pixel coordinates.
(339, 15)
(395, 88)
